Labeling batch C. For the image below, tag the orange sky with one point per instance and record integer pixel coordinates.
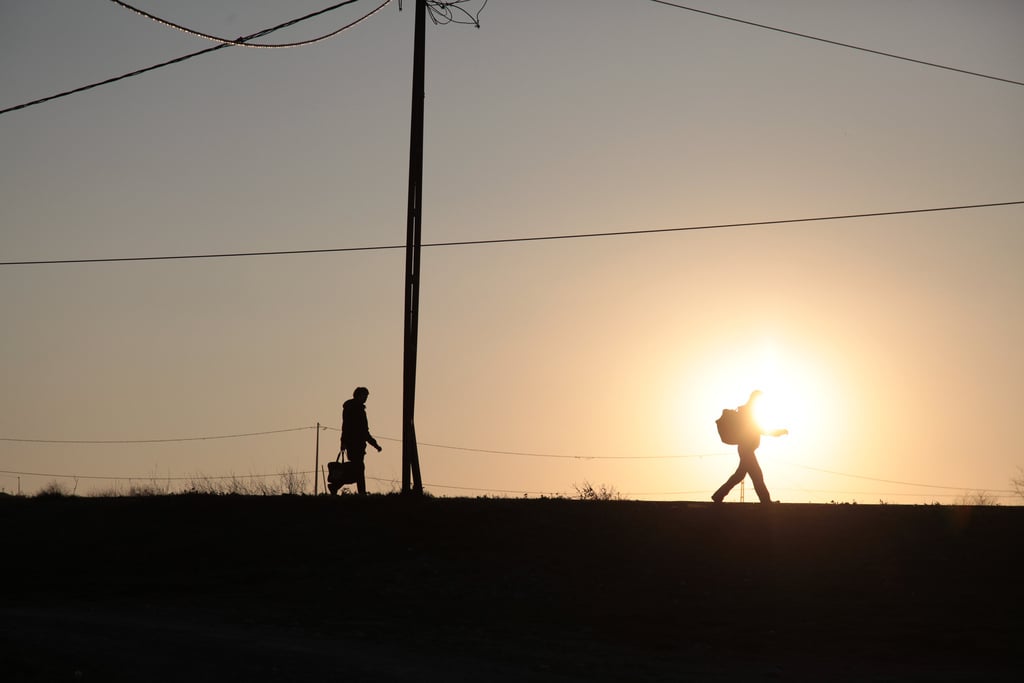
(896, 341)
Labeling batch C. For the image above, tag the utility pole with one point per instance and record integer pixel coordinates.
(316, 466)
(411, 482)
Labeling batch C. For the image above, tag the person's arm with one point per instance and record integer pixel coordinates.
(372, 441)
(778, 432)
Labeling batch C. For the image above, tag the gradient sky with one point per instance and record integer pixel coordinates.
(892, 345)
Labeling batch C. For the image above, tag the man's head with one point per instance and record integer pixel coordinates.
(361, 393)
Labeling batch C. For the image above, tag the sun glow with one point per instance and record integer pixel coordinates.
(792, 396)
(787, 396)
(778, 408)
(802, 392)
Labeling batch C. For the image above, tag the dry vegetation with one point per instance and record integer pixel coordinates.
(290, 482)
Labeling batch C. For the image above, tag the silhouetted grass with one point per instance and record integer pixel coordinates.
(290, 482)
(54, 489)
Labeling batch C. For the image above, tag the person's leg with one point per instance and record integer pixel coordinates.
(357, 457)
(757, 477)
(736, 478)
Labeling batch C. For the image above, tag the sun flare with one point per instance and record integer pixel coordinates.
(777, 409)
(791, 393)
(784, 401)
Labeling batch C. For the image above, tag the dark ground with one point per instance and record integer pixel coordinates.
(219, 588)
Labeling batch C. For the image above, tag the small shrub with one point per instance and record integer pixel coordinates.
(586, 491)
(976, 498)
(289, 482)
(54, 490)
(292, 483)
(201, 484)
(134, 490)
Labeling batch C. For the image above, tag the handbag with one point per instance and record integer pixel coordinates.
(341, 472)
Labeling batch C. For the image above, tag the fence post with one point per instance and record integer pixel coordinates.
(316, 468)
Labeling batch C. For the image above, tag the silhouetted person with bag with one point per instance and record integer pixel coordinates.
(355, 433)
(746, 435)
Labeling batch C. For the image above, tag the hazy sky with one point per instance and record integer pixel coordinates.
(892, 345)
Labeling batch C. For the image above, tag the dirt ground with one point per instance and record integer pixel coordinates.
(387, 588)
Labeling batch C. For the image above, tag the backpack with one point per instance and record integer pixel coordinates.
(730, 427)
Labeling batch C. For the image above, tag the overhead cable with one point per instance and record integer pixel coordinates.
(889, 481)
(144, 441)
(243, 42)
(487, 490)
(545, 455)
(837, 43)
(451, 12)
(459, 448)
(889, 493)
(183, 58)
(510, 240)
(571, 457)
(155, 477)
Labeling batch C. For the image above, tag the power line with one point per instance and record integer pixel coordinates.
(511, 240)
(242, 42)
(956, 490)
(575, 457)
(153, 477)
(183, 58)
(546, 455)
(222, 43)
(201, 478)
(487, 490)
(660, 457)
(335, 429)
(902, 483)
(452, 12)
(886, 493)
(1010, 493)
(145, 441)
(837, 43)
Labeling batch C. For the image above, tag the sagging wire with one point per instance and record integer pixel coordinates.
(443, 13)
(511, 240)
(837, 43)
(178, 60)
(243, 41)
(148, 441)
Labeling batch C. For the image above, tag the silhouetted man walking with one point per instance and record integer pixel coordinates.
(355, 433)
(749, 440)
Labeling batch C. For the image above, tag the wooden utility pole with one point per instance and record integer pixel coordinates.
(411, 482)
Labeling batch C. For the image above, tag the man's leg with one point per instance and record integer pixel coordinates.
(357, 458)
(361, 482)
(756, 476)
(736, 478)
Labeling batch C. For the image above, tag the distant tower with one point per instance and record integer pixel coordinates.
(743, 488)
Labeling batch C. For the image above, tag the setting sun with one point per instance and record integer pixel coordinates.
(774, 410)
(789, 395)
(792, 384)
